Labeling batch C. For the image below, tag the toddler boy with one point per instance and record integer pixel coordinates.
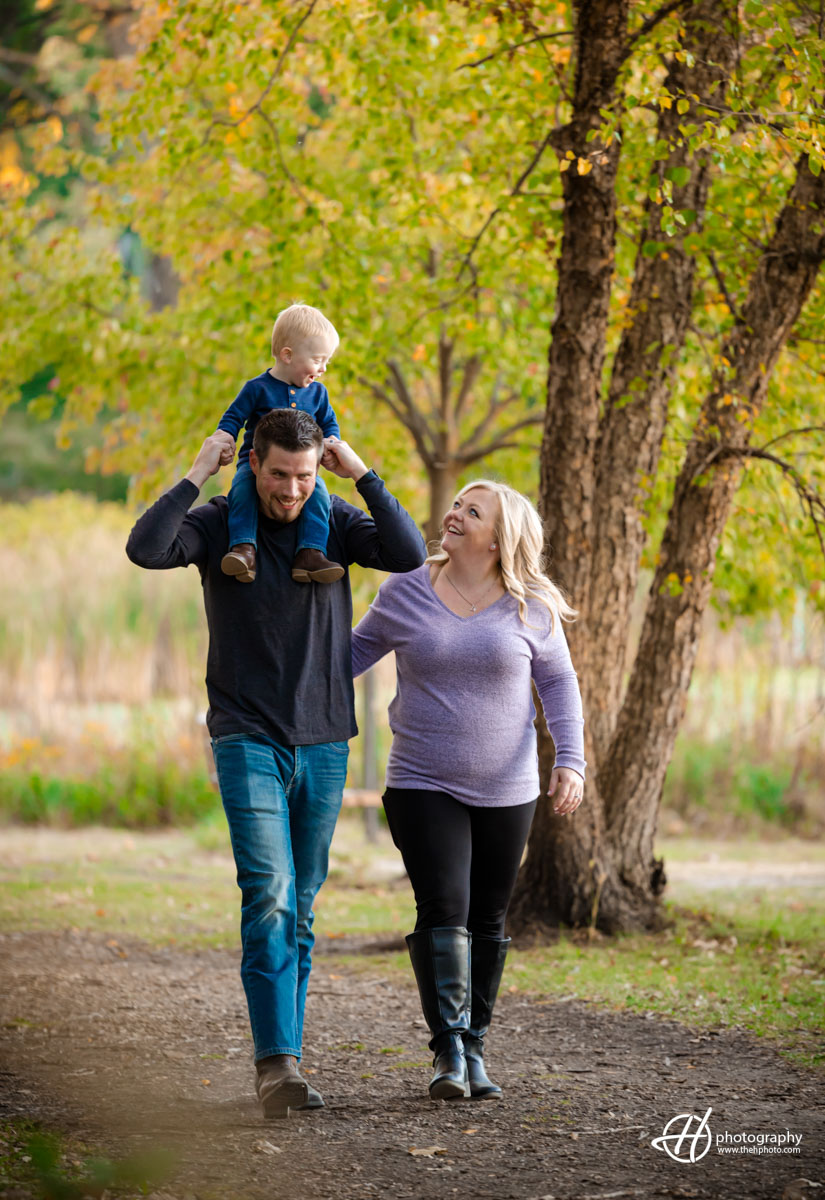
(303, 342)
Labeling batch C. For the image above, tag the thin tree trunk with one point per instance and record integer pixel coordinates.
(443, 486)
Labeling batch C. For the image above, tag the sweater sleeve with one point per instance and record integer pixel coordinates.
(387, 538)
(167, 535)
(247, 402)
(370, 637)
(325, 416)
(558, 687)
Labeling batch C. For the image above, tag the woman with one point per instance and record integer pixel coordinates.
(470, 629)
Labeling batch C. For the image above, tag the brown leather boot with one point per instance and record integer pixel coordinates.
(240, 562)
(310, 566)
(278, 1086)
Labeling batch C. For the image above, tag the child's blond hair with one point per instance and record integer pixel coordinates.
(298, 322)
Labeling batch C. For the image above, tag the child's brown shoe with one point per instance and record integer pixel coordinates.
(310, 566)
(240, 562)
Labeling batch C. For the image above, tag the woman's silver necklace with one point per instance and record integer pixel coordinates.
(473, 607)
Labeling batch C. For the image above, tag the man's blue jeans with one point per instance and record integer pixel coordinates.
(281, 803)
(313, 523)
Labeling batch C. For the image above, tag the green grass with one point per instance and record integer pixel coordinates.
(745, 956)
(126, 788)
(34, 1162)
(753, 961)
(164, 889)
(751, 849)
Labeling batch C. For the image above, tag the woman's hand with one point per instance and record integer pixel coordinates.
(567, 786)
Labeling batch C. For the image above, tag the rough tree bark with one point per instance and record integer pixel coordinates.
(657, 691)
(568, 455)
(657, 318)
(598, 867)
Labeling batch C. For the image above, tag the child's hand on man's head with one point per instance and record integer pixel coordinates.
(342, 459)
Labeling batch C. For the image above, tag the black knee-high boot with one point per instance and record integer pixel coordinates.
(487, 964)
(441, 962)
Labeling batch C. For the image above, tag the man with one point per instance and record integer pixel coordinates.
(281, 704)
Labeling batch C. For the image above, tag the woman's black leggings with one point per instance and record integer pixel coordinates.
(462, 860)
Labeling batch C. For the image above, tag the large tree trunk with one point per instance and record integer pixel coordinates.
(658, 313)
(577, 346)
(598, 866)
(657, 692)
(568, 479)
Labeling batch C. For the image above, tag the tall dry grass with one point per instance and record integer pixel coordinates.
(80, 626)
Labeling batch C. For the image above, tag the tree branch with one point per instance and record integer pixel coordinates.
(631, 770)
(401, 415)
(541, 37)
(651, 22)
(809, 499)
(415, 420)
(525, 175)
(723, 288)
(442, 306)
(41, 99)
(445, 373)
(469, 453)
(793, 432)
(17, 56)
(472, 370)
(493, 448)
(256, 107)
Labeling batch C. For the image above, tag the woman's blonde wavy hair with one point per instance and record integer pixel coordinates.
(520, 540)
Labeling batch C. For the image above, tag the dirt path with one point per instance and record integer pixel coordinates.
(115, 1042)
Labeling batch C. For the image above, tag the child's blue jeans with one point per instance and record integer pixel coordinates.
(313, 523)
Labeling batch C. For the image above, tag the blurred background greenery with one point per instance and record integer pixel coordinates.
(130, 321)
(101, 671)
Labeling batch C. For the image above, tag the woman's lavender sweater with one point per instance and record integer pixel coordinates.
(462, 716)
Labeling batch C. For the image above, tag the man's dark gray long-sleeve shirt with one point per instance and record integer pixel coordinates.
(279, 662)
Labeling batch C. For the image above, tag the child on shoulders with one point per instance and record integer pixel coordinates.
(303, 342)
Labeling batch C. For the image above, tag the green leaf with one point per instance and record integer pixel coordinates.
(678, 175)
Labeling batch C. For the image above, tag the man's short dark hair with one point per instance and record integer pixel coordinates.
(288, 428)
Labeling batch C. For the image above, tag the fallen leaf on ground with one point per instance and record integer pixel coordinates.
(264, 1147)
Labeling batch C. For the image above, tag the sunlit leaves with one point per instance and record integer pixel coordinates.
(350, 156)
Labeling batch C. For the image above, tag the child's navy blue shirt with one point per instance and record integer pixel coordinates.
(263, 393)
